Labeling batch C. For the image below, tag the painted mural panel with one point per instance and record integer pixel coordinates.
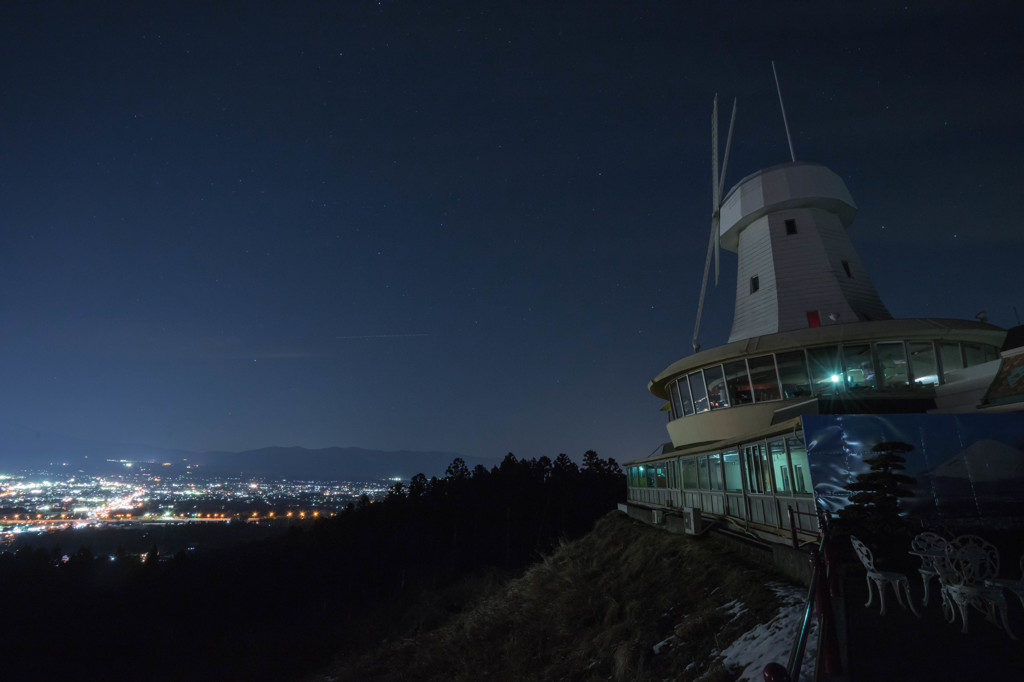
(966, 466)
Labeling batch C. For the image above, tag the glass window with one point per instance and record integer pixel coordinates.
(758, 471)
(700, 394)
(677, 402)
(755, 284)
(689, 467)
(660, 480)
(793, 373)
(684, 395)
(801, 471)
(750, 469)
(718, 397)
(991, 352)
(922, 362)
(766, 469)
(702, 472)
(731, 467)
(951, 358)
(670, 468)
(973, 354)
(715, 471)
(738, 381)
(764, 378)
(892, 360)
(780, 466)
(790, 226)
(826, 372)
(860, 370)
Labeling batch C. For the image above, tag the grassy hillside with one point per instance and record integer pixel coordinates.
(625, 602)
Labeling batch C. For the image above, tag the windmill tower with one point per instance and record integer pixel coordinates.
(797, 267)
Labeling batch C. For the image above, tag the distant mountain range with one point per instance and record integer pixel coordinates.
(25, 449)
(333, 463)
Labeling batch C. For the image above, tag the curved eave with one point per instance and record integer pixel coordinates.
(786, 186)
(765, 171)
(784, 427)
(921, 328)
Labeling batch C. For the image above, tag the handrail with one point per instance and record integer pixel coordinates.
(796, 654)
(817, 596)
(792, 523)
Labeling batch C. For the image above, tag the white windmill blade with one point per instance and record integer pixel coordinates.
(712, 241)
(715, 222)
(717, 182)
(714, 155)
(714, 231)
(721, 183)
(725, 160)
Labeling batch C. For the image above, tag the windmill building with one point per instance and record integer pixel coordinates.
(814, 373)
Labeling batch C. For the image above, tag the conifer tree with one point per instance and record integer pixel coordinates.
(874, 504)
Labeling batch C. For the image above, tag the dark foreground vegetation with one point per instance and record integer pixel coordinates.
(282, 608)
(595, 609)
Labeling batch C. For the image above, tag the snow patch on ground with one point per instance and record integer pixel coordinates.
(662, 644)
(735, 608)
(773, 641)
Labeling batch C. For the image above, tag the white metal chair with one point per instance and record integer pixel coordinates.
(971, 563)
(1009, 584)
(882, 578)
(930, 547)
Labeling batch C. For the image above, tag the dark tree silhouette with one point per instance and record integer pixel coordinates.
(396, 490)
(417, 486)
(457, 470)
(874, 508)
(564, 467)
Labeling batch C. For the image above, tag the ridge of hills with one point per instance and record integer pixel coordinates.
(22, 448)
(337, 463)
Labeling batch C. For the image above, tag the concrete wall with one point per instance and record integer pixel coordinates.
(792, 563)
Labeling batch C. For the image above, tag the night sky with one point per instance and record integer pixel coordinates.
(467, 226)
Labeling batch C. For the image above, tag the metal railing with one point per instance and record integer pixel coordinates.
(824, 586)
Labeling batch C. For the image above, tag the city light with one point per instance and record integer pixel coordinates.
(140, 496)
